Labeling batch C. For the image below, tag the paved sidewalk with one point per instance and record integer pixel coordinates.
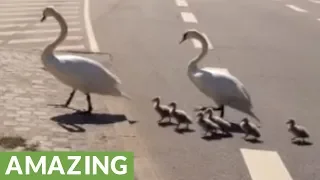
(26, 93)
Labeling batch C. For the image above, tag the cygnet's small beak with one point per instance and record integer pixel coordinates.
(181, 41)
(43, 18)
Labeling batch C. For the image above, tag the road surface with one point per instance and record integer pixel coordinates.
(271, 45)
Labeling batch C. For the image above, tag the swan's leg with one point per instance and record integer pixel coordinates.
(89, 104)
(70, 98)
(221, 109)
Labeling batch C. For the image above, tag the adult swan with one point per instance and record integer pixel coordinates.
(79, 73)
(217, 83)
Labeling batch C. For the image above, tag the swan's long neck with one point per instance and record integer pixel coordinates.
(48, 51)
(194, 62)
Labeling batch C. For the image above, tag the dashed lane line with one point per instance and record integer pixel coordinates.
(296, 8)
(315, 1)
(265, 165)
(181, 3)
(189, 17)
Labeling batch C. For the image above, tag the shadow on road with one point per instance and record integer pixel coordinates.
(254, 141)
(166, 124)
(301, 143)
(77, 118)
(183, 130)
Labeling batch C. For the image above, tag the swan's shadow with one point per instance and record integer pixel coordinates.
(74, 120)
(254, 141)
(166, 124)
(183, 130)
(302, 143)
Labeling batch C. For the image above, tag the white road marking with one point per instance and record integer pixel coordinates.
(91, 37)
(24, 9)
(318, 19)
(54, 3)
(197, 44)
(39, 31)
(315, 1)
(265, 165)
(35, 13)
(46, 39)
(188, 17)
(296, 8)
(71, 47)
(181, 3)
(2, 26)
(56, 24)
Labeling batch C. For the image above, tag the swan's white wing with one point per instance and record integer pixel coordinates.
(220, 85)
(85, 68)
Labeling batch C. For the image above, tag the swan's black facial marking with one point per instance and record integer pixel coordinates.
(184, 37)
(43, 17)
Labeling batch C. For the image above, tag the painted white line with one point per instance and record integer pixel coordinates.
(2, 26)
(45, 24)
(318, 19)
(46, 39)
(188, 17)
(315, 1)
(296, 8)
(181, 3)
(87, 20)
(39, 31)
(197, 44)
(42, 4)
(265, 165)
(71, 47)
(32, 19)
(25, 9)
(35, 13)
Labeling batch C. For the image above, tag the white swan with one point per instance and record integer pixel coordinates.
(217, 83)
(80, 73)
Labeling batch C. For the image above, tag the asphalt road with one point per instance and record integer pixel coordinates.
(272, 47)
